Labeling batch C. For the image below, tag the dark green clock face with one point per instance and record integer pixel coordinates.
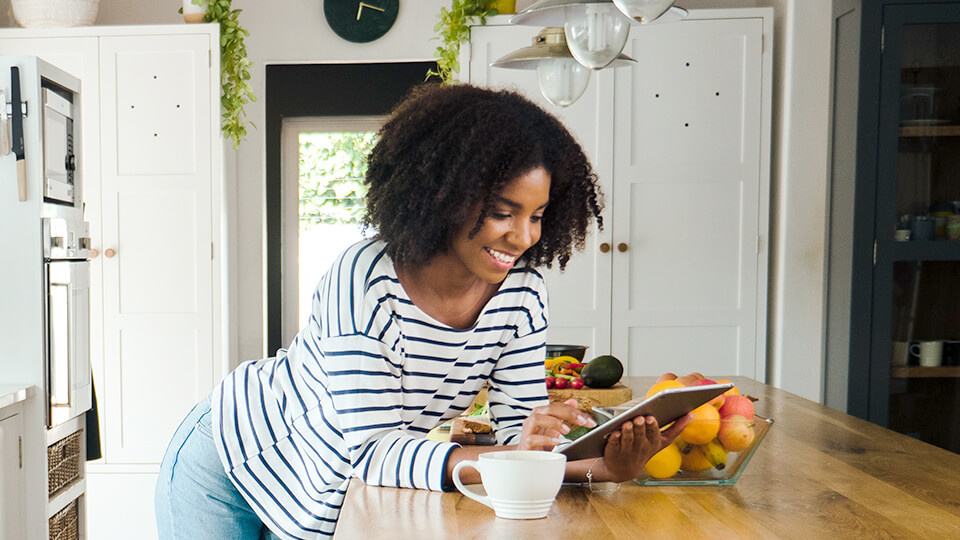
(360, 21)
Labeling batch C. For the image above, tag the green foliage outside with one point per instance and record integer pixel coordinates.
(332, 168)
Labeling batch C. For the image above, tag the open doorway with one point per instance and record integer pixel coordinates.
(324, 163)
(306, 92)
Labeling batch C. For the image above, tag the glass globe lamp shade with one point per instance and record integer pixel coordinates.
(596, 33)
(562, 80)
(644, 11)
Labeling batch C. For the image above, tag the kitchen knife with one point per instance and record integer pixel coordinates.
(17, 122)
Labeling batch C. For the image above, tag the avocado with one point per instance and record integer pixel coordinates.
(602, 372)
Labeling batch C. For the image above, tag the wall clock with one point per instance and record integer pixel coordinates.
(360, 21)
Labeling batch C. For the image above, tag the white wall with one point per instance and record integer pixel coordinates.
(293, 31)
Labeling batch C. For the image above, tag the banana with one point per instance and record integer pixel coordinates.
(715, 454)
(683, 446)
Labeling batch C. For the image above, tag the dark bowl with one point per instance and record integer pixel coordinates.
(576, 351)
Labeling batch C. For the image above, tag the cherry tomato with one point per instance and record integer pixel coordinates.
(560, 383)
(576, 384)
(550, 382)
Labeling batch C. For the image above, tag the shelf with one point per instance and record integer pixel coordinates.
(930, 131)
(925, 250)
(916, 372)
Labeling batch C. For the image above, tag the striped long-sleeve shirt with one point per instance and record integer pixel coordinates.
(362, 384)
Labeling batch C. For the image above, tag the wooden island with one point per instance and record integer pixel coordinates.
(819, 473)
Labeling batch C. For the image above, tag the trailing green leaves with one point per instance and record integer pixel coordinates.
(452, 30)
(234, 67)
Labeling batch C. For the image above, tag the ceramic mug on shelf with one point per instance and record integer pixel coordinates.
(953, 228)
(930, 353)
(922, 228)
(520, 484)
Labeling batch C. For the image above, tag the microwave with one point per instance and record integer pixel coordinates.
(59, 159)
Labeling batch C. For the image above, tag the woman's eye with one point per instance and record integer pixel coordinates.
(496, 215)
(536, 219)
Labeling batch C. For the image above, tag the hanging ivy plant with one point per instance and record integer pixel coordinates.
(453, 29)
(235, 89)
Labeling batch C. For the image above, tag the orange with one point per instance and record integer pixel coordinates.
(695, 460)
(664, 463)
(731, 392)
(704, 427)
(663, 385)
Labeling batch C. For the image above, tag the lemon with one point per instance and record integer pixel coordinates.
(664, 463)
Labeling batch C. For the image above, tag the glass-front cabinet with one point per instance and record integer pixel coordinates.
(914, 359)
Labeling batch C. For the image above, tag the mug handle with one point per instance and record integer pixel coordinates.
(463, 489)
(914, 349)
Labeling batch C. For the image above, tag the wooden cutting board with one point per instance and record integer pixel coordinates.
(593, 397)
(587, 397)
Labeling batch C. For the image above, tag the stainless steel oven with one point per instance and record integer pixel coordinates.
(66, 317)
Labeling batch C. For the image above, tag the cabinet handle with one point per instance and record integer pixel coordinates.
(622, 247)
(604, 248)
(109, 253)
(93, 253)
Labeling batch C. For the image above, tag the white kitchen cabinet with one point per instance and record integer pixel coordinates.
(680, 141)
(151, 160)
(11, 473)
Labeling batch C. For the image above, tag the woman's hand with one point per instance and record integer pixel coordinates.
(545, 426)
(630, 447)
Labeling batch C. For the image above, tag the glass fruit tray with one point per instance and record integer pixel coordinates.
(736, 463)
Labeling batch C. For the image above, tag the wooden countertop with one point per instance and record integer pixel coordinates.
(819, 473)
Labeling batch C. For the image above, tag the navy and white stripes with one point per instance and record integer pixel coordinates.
(363, 383)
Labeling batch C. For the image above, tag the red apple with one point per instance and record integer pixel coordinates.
(737, 405)
(736, 433)
(717, 401)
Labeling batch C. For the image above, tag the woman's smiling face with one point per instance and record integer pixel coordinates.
(512, 227)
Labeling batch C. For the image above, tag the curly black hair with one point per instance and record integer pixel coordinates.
(447, 147)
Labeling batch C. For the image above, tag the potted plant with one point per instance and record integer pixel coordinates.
(454, 28)
(234, 65)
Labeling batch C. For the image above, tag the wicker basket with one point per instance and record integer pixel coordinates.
(63, 462)
(65, 524)
(55, 13)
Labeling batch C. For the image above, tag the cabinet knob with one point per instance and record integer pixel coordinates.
(93, 253)
(109, 253)
(621, 247)
(604, 248)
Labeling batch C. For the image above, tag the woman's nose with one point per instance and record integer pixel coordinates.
(524, 234)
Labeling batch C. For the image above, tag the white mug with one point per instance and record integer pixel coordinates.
(930, 353)
(520, 484)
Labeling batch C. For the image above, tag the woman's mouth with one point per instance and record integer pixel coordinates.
(501, 259)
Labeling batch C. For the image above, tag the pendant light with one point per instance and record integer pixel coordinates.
(644, 11)
(596, 30)
(562, 79)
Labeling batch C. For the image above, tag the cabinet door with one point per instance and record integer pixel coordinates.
(157, 222)
(687, 180)
(11, 477)
(579, 296)
(915, 354)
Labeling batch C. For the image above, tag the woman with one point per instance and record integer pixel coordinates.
(470, 191)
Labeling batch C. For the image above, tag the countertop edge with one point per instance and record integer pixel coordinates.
(11, 394)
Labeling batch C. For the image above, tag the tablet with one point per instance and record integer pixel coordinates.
(666, 406)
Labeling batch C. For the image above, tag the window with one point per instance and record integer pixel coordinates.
(324, 162)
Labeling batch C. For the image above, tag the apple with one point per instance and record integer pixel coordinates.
(736, 433)
(717, 401)
(737, 404)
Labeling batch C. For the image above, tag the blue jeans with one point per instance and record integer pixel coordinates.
(194, 498)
